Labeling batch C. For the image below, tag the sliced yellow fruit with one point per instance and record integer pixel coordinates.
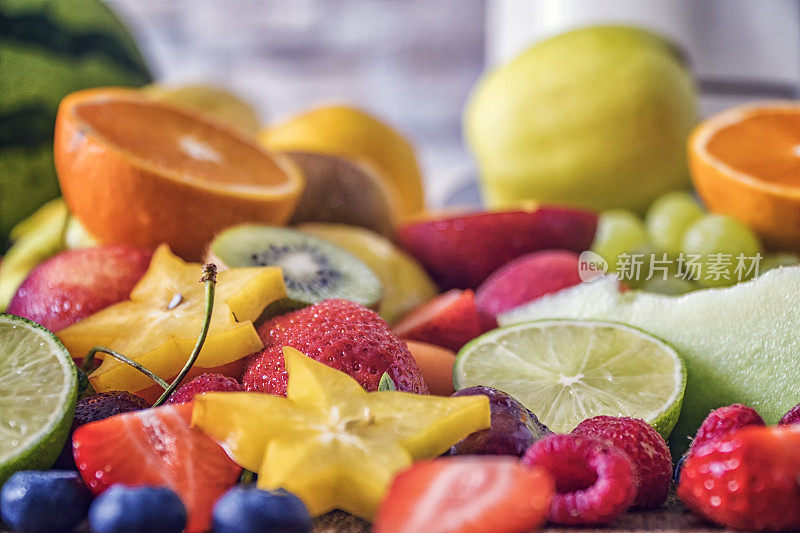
(330, 442)
(406, 285)
(36, 239)
(214, 101)
(159, 325)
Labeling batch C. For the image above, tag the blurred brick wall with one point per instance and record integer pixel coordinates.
(412, 62)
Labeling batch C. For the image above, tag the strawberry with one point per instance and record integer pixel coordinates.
(595, 482)
(204, 383)
(723, 421)
(156, 447)
(449, 320)
(746, 480)
(466, 495)
(646, 449)
(75, 284)
(341, 334)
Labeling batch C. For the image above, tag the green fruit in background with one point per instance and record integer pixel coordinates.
(740, 343)
(49, 49)
(597, 117)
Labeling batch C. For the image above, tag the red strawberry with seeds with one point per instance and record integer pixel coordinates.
(203, 383)
(723, 421)
(647, 450)
(595, 483)
(341, 334)
(450, 320)
(156, 447)
(746, 480)
(466, 495)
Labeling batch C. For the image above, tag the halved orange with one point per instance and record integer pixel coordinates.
(745, 162)
(139, 172)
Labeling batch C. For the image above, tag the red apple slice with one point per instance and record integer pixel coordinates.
(450, 320)
(527, 278)
(461, 251)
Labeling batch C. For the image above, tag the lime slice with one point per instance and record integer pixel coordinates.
(567, 370)
(38, 390)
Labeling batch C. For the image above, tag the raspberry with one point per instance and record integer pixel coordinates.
(204, 383)
(646, 449)
(341, 334)
(792, 417)
(595, 482)
(94, 408)
(724, 421)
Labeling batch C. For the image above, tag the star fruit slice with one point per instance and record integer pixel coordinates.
(159, 325)
(330, 442)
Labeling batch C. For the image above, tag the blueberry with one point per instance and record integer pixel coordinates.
(124, 509)
(248, 510)
(54, 500)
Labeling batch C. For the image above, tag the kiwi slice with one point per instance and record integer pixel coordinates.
(313, 270)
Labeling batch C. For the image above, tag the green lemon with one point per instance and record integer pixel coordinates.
(596, 117)
(38, 391)
(566, 371)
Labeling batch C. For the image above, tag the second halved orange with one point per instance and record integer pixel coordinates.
(140, 172)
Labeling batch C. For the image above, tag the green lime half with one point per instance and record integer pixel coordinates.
(568, 370)
(38, 390)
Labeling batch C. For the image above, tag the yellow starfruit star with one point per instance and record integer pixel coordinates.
(159, 325)
(329, 441)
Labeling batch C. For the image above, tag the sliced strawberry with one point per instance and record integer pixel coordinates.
(468, 494)
(449, 320)
(156, 447)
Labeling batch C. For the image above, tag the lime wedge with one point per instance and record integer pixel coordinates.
(567, 370)
(38, 390)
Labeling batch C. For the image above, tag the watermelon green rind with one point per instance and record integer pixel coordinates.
(49, 49)
(40, 78)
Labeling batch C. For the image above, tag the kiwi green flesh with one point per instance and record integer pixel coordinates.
(313, 270)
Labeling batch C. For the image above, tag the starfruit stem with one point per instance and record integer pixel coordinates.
(210, 280)
(88, 363)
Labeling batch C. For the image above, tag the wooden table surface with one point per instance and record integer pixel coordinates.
(670, 518)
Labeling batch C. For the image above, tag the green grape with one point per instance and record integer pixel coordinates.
(670, 286)
(668, 219)
(719, 240)
(778, 260)
(618, 232)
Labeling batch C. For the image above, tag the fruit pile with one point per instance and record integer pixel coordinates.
(341, 348)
